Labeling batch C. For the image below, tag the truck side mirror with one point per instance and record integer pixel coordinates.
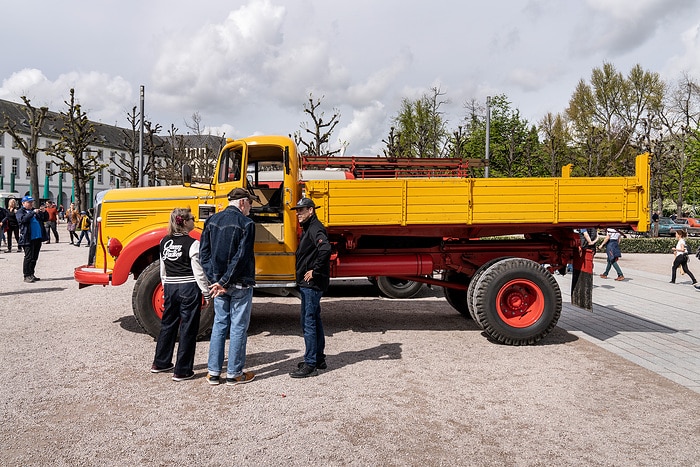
(186, 175)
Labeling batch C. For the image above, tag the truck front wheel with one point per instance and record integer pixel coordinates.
(148, 303)
(398, 288)
(517, 301)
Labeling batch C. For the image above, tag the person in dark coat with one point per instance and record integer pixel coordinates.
(12, 225)
(312, 276)
(31, 234)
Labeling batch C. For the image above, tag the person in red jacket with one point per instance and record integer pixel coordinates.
(52, 211)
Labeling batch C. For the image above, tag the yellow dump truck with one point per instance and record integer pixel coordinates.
(491, 243)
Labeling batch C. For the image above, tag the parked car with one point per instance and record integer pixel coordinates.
(693, 222)
(684, 223)
(667, 228)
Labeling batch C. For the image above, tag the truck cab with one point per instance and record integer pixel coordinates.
(131, 222)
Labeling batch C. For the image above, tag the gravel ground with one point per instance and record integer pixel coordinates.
(410, 382)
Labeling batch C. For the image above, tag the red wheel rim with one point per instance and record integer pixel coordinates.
(520, 303)
(159, 301)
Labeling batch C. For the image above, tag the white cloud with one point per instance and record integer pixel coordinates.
(618, 27)
(104, 98)
(688, 61)
(366, 129)
(221, 64)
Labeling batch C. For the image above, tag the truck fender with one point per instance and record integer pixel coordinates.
(133, 251)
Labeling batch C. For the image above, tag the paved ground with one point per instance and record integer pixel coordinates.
(410, 382)
(644, 318)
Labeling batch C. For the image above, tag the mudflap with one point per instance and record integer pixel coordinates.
(582, 281)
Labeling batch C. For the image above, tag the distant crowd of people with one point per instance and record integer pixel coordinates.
(30, 227)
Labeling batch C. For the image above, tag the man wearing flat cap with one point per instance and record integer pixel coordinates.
(313, 276)
(31, 234)
(226, 254)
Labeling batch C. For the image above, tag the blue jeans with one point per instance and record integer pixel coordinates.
(232, 317)
(314, 339)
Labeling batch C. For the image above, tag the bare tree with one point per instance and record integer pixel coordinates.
(76, 135)
(320, 131)
(126, 168)
(32, 125)
(678, 137)
(202, 149)
(173, 157)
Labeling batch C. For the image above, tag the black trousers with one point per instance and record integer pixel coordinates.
(183, 305)
(682, 261)
(31, 255)
(10, 233)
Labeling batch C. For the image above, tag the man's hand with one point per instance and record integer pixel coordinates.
(216, 289)
(309, 275)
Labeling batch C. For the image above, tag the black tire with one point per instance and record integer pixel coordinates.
(457, 298)
(517, 301)
(472, 285)
(398, 288)
(148, 295)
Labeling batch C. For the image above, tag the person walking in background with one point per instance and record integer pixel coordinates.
(184, 283)
(226, 254)
(680, 252)
(611, 243)
(52, 212)
(313, 276)
(655, 224)
(84, 228)
(32, 234)
(3, 225)
(72, 218)
(12, 225)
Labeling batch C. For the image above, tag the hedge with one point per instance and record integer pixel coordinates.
(656, 245)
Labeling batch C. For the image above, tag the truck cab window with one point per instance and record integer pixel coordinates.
(230, 166)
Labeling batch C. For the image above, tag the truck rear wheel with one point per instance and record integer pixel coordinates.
(398, 288)
(457, 298)
(517, 301)
(148, 303)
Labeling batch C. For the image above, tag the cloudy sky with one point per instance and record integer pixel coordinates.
(247, 67)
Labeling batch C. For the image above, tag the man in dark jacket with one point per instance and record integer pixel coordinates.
(312, 275)
(227, 258)
(31, 234)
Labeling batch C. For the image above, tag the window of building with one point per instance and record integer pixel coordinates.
(2, 166)
(100, 155)
(49, 171)
(15, 166)
(63, 176)
(2, 139)
(100, 177)
(111, 179)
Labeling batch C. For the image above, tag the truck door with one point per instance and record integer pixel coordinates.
(270, 172)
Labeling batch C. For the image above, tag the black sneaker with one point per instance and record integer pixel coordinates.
(35, 278)
(320, 365)
(29, 279)
(304, 371)
(179, 378)
(213, 380)
(155, 369)
(246, 377)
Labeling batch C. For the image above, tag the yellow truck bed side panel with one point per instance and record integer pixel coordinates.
(421, 201)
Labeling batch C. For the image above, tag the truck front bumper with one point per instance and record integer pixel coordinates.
(88, 275)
